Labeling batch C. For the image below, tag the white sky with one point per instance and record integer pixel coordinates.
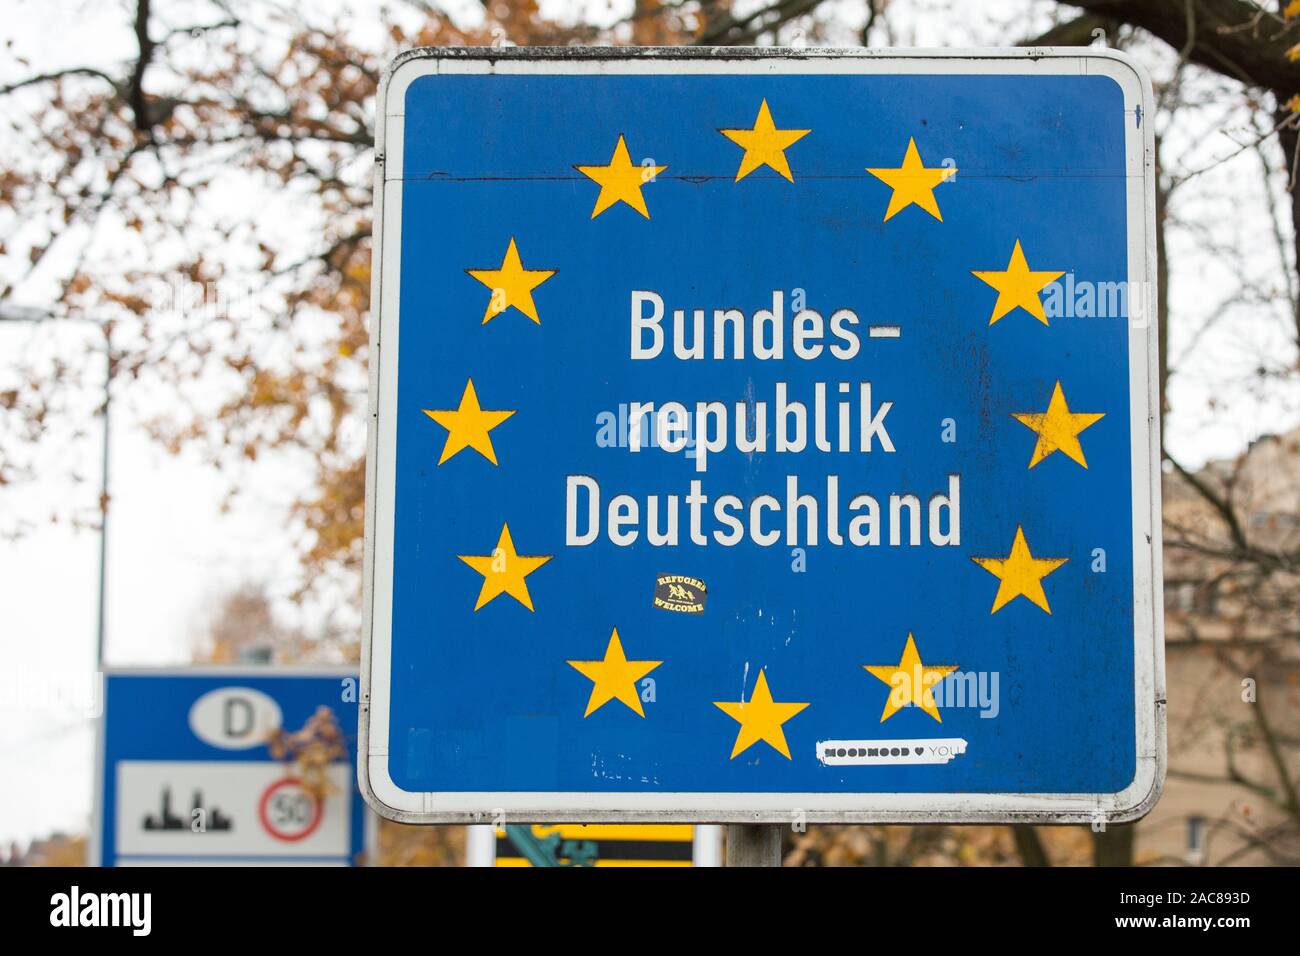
(173, 552)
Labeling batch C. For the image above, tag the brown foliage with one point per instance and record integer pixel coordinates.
(401, 845)
(311, 750)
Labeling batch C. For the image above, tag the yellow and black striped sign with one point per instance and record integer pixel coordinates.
(608, 844)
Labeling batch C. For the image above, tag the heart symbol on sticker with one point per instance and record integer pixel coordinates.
(917, 750)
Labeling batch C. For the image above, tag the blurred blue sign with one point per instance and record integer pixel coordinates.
(197, 767)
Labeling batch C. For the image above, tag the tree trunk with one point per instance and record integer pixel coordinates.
(1029, 845)
(1113, 846)
(1289, 139)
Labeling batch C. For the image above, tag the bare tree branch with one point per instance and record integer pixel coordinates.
(1237, 38)
(1081, 31)
(733, 30)
(135, 87)
(61, 74)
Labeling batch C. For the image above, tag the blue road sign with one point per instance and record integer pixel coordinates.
(189, 772)
(763, 437)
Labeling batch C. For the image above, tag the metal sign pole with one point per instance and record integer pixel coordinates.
(10, 313)
(101, 617)
(753, 844)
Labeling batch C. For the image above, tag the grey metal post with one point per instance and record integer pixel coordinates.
(11, 313)
(101, 622)
(753, 844)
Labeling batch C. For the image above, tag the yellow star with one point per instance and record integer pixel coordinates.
(913, 183)
(1058, 428)
(512, 284)
(468, 426)
(1018, 286)
(504, 571)
(1020, 573)
(620, 181)
(764, 145)
(760, 719)
(614, 678)
(911, 682)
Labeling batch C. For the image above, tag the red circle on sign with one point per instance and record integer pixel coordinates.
(266, 822)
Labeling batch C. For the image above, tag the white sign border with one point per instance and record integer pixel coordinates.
(394, 803)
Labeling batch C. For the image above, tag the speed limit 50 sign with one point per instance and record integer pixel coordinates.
(187, 774)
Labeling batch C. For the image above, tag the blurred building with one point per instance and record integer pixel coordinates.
(1232, 629)
(56, 850)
